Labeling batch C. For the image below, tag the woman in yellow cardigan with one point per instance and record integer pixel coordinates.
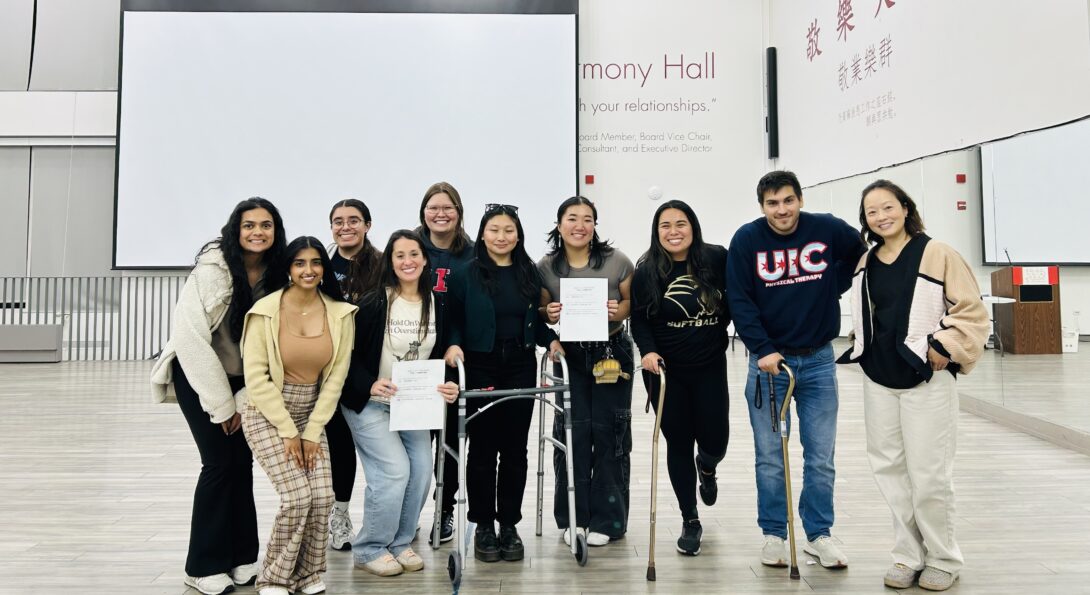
(296, 347)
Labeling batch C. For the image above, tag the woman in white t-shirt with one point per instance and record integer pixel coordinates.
(397, 321)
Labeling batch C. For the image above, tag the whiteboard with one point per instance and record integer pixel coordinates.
(1035, 205)
(305, 109)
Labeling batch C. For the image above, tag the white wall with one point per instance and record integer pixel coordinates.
(718, 183)
(931, 184)
(946, 75)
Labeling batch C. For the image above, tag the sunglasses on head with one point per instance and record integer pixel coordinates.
(493, 207)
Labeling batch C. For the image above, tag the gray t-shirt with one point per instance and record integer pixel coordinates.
(616, 268)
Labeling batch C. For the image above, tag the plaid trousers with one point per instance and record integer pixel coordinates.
(296, 554)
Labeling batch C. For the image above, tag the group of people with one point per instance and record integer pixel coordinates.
(283, 352)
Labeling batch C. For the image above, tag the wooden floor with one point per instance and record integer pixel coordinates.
(1051, 388)
(100, 484)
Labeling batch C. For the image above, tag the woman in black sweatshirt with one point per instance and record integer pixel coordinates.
(680, 315)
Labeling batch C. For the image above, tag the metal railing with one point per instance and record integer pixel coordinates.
(102, 318)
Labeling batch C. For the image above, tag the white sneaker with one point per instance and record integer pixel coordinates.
(774, 552)
(826, 552)
(318, 587)
(245, 574)
(567, 535)
(596, 539)
(211, 585)
(274, 591)
(340, 530)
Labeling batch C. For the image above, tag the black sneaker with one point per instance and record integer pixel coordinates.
(446, 528)
(510, 543)
(709, 489)
(486, 547)
(689, 542)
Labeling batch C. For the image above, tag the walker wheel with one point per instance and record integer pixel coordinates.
(454, 569)
(581, 549)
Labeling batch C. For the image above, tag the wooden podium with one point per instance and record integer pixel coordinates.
(1031, 324)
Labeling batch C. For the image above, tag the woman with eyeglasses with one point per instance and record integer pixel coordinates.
(494, 326)
(356, 264)
(449, 248)
(680, 315)
(296, 347)
(202, 365)
(601, 412)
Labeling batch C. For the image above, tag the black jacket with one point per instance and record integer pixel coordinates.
(370, 332)
(472, 316)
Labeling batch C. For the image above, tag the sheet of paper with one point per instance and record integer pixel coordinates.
(417, 404)
(583, 314)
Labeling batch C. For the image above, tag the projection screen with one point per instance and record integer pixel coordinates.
(305, 108)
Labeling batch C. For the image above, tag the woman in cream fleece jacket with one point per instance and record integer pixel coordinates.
(296, 347)
(918, 322)
(202, 365)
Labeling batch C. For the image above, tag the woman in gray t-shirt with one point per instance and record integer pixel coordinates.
(601, 413)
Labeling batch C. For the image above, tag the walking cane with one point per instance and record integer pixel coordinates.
(655, 466)
(784, 408)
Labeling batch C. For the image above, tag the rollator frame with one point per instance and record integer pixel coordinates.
(548, 384)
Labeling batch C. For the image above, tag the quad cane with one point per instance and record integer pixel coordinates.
(784, 408)
(655, 466)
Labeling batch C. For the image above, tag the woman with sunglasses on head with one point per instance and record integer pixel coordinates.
(202, 364)
(356, 264)
(601, 412)
(399, 321)
(494, 326)
(680, 315)
(296, 347)
(918, 322)
(449, 248)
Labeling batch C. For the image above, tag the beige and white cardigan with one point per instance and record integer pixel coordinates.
(943, 310)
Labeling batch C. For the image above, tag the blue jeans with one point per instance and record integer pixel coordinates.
(816, 404)
(397, 466)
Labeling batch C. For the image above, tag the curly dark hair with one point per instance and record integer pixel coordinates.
(275, 275)
(657, 262)
(599, 249)
(388, 279)
(774, 180)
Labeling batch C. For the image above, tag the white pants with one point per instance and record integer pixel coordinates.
(911, 438)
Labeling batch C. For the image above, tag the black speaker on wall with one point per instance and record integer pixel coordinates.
(772, 120)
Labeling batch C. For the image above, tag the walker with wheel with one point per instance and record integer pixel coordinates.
(548, 384)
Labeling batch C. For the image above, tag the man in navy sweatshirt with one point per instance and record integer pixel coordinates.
(785, 274)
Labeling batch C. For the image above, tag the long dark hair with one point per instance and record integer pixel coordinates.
(461, 238)
(388, 279)
(363, 268)
(599, 249)
(275, 276)
(913, 221)
(484, 269)
(657, 262)
(328, 285)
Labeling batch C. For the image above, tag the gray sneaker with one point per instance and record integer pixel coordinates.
(934, 579)
(900, 576)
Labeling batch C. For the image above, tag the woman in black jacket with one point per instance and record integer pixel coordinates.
(680, 315)
(493, 317)
(396, 322)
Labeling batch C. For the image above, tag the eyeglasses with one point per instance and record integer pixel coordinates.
(445, 209)
(493, 207)
(350, 222)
